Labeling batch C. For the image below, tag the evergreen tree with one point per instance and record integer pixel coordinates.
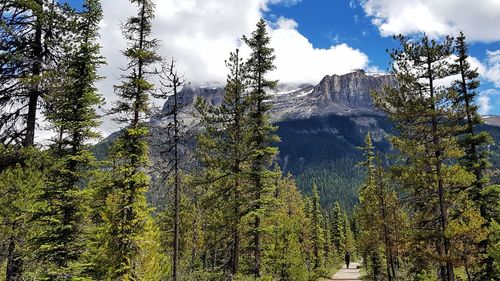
(316, 228)
(259, 64)
(284, 258)
(327, 245)
(474, 143)
(379, 216)
(29, 48)
(20, 184)
(427, 120)
(125, 217)
(337, 234)
(225, 150)
(71, 109)
(368, 216)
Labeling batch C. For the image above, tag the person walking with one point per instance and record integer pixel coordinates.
(347, 259)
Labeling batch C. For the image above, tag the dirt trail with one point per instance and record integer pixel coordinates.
(348, 274)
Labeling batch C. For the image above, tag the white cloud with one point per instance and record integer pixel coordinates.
(479, 20)
(489, 69)
(298, 61)
(201, 33)
(484, 100)
(492, 69)
(484, 104)
(284, 23)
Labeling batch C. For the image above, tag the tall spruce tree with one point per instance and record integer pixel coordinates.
(283, 257)
(337, 233)
(225, 150)
(369, 239)
(71, 108)
(20, 186)
(259, 64)
(317, 229)
(379, 216)
(126, 215)
(327, 245)
(474, 143)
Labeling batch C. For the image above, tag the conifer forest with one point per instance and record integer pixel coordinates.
(215, 200)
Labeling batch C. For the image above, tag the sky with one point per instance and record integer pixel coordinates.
(311, 38)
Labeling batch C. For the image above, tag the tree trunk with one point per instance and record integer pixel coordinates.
(29, 138)
(257, 245)
(177, 185)
(236, 232)
(374, 267)
(14, 262)
(437, 155)
(388, 248)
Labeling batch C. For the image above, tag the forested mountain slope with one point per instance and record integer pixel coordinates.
(325, 150)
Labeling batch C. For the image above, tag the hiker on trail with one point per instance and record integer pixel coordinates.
(347, 259)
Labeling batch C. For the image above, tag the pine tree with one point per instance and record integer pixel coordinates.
(30, 46)
(337, 234)
(316, 228)
(126, 214)
(327, 245)
(284, 258)
(71, 109)
(379, 216)
(225, 150)
(20, 184)
(368, 216)
(474, 143)
(260, 63)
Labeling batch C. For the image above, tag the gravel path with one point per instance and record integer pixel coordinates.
(348, 274)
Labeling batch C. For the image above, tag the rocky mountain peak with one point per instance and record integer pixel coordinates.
(346, 94)
(190, 93)
(351, 90)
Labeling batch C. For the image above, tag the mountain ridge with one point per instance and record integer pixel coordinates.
(347, 94)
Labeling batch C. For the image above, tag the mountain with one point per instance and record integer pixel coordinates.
(347, 94)
(493, 120)
(321, 128)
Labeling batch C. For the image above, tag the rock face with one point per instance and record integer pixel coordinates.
(346, 95)
(493, 120)
(351, 90)
(189, 94)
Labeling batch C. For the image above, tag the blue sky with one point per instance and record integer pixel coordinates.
(334, 36)
(327, 22)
